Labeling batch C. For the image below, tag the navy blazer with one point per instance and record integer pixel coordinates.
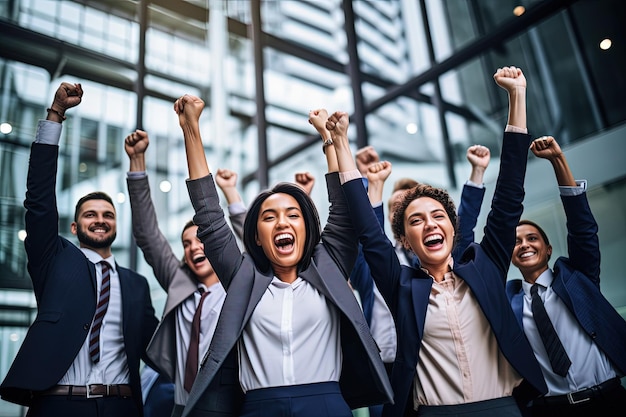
(64, 282)
(468, 211)
(577, 283)
(482, 266)
(363, 379)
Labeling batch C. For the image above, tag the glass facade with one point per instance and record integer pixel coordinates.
(416, 77)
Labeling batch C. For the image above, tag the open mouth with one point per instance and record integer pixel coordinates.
(284, 242)
(527, 255)
(433, 240)
(198, 259)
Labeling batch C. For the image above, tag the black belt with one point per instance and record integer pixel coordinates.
(578, 397)
(91, 391)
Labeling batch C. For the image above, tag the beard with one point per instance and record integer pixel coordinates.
(90, 242)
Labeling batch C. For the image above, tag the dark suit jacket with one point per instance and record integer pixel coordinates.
(363, 379)
(173, 276)
(483, 266)
(468, 211)
(64, 282)
(577, 283)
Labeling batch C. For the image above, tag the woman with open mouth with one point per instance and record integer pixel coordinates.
(291, 338)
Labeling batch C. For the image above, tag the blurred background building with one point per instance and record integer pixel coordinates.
(415, 75)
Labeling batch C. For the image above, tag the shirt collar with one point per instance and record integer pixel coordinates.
(545, 280)
(94, 257)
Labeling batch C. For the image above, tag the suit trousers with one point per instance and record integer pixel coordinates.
(73, 406)
(321, 399)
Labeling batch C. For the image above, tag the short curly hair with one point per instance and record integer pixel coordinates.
(422, 190)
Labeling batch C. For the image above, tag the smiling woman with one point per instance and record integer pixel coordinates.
(292, 334)
(460, 348)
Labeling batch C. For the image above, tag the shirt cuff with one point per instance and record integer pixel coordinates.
(344, 177)
(236, 208)
(568, 191)
(515, 129)
(136, 175)
(473, 184)
(48, 132)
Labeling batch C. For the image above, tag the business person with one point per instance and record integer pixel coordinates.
(290, 322)
(375, 309)
(460, 349)
(583, 375)
(194, 292)
(82, 353)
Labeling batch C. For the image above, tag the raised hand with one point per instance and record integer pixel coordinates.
(546, 147)
(365, 157)
(136, 143)
(337, 125)
(318, 119)
(478, 156)
(306, 180)
(510, 78)
(378, 172)
(188, 108)
(68, 95)
(225, 179)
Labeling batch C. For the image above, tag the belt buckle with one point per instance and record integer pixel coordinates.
(572, 401)
(90, 395)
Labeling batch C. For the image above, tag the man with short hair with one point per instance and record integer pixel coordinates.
(81, 356)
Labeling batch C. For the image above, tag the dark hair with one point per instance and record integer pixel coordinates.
(185, 227)
(311, 222)
(96, 195)
(422, 190)
(542, 232)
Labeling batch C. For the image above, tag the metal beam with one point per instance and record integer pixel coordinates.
(505, 31)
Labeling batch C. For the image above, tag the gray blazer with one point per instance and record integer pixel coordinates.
(170, 272)
(363, 378)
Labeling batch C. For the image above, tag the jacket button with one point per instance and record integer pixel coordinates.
(86, 326)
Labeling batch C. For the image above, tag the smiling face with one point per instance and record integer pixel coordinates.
(531, 252)
(281, 233)
(429, 233)
(95, 226)
(194, 256)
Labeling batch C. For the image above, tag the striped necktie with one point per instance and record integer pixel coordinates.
(101, 309)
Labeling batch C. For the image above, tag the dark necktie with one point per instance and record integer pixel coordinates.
(101, 309)
(556, 353)
(191, 366)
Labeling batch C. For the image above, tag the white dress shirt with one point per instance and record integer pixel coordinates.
(292, 338)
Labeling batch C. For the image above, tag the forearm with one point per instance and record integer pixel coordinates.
(196, 160)
(564, 176)
(138, 163)
(517, 107)
(232, 195)
(375, 192)
(477, 175)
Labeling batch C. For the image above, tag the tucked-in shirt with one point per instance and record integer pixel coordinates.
(113, 366)
(211, 308)
(292, 338)
(459, 359)
(590, 366)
